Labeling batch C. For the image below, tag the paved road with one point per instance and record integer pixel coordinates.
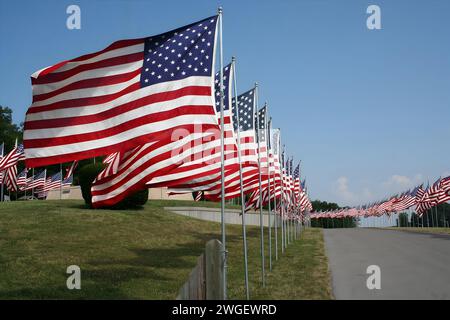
(413, 265)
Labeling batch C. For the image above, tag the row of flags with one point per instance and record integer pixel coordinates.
(421, 199)
(39, 182)
(152, 106)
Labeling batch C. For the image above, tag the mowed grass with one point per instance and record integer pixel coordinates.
(138, 254)
(424, 230)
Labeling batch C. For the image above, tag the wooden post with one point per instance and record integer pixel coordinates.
(214, 268)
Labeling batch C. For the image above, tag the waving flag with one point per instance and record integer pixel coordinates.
(131, 93)
(38, 181)
(22, 179)
(11, 159)
(70, 170)
(445, 187)
(1, 157)
(11, 178)
(205, 168)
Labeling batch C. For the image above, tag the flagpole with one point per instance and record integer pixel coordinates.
(222, 168)
(1, 190)
(261, 221)
(244, 236)
(60, 186)
(283, 231)
(275, 216)
(268, 180)
(32, 189)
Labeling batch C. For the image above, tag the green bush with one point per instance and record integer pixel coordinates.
(87, 175)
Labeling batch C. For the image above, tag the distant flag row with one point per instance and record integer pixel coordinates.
(40, 183)
(421, 199)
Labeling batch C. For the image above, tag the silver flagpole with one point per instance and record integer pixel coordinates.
(60, 186)
(283, 212)
(268, 181)
(222, 169)
(244, 232)
(261, 221)
(32, 189)
(275, 216)
(283, 231)
(1, 182)
(437, 219)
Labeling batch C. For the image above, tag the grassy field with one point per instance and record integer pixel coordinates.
(138, 254)
(425, 230)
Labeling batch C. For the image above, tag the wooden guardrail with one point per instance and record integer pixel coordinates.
(205, 280)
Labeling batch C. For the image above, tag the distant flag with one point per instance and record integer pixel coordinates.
(70, 170)
(22, 179)
(38, 180)
(445, 187)
(11, 178)
(53, 182)
(198, 196)
(11, 159)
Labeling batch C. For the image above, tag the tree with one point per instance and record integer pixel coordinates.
(9, 131)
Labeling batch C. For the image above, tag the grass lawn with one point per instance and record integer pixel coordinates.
(424, 230)
(138, 254)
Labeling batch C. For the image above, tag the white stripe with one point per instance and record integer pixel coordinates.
(88, 74)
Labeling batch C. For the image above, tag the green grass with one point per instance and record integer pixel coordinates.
(424, 230)
(138, 254)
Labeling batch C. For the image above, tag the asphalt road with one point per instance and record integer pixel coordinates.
(412, 265)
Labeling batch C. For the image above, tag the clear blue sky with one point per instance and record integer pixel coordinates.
(368, 112)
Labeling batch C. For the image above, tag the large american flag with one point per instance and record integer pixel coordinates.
(189, 56)
(131, 93)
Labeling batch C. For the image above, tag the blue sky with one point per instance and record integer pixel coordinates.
(367, 111)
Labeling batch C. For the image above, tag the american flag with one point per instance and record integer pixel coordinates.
(131, 93)
(22, 179)
(70, 170)
(11, 159)
(52, 182)
(203, 172)
(445, 187)
(1, 157)
(189, 56)
(37, 181)
(11, 178)
(243, 113)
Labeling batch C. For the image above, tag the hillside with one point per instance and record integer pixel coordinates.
(137, 254)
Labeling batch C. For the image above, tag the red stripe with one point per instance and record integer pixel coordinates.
(154, 98)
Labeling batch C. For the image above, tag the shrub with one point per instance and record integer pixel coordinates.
(87, 175)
